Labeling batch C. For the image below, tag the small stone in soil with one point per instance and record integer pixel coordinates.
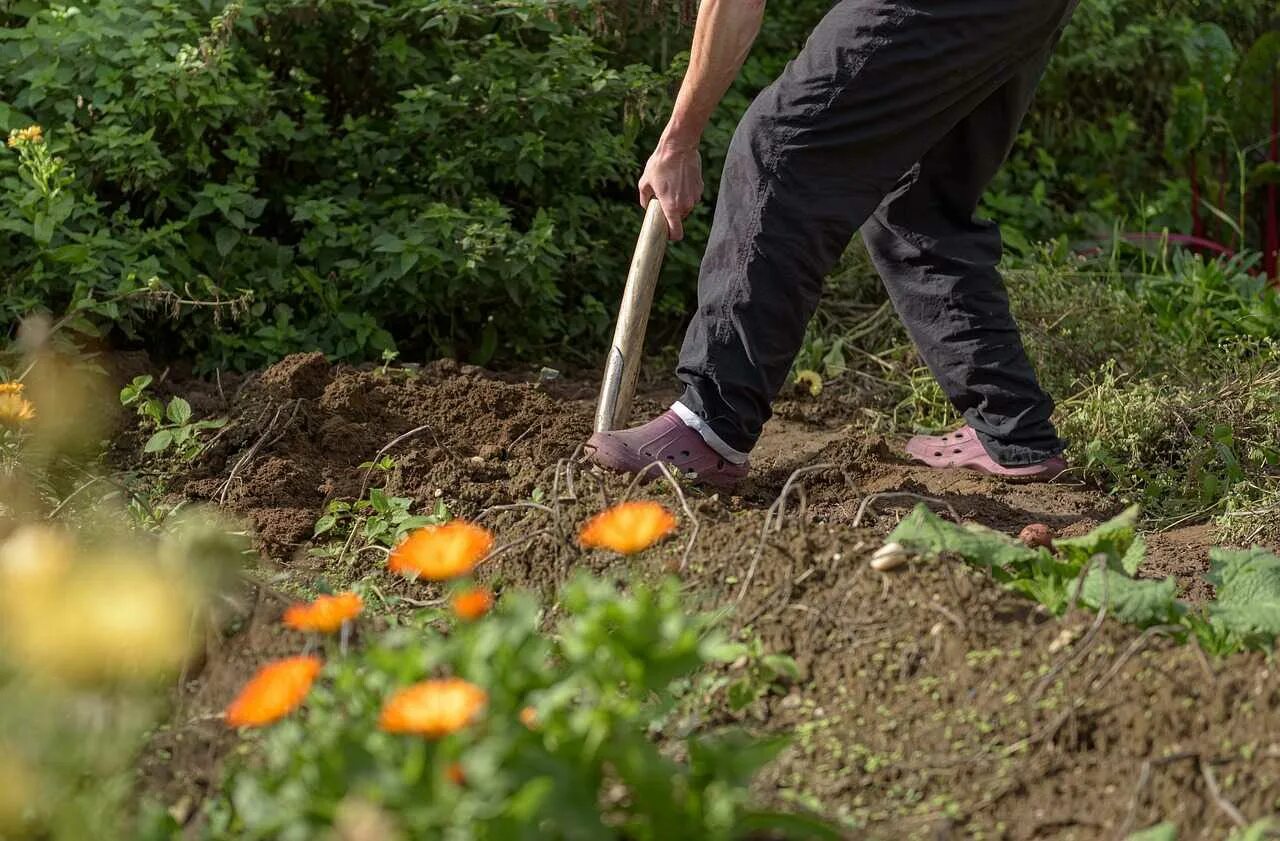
(1036, 535)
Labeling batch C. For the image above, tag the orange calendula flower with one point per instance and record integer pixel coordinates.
(529, 717)
(472, 603)
(438, 553)
(15, 409)
(276, 690)
(433, 708)
(628, 528)
(324, 615)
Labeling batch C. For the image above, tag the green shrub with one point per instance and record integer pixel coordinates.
(563, 748)
(452, 176)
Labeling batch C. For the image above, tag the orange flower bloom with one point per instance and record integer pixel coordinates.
(433, 708)
(473, 603)
(438, 553)
(11, 388)
(628, 528)
(529, 718)
(324, 615)
(275, 691)
(15, 409)
(455, 774)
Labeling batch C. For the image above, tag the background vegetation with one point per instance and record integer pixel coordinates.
(248, 178)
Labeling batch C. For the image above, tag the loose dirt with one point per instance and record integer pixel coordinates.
(931, 704)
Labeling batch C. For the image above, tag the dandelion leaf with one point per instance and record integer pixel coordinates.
(1139, 602)
(1115, 539)
(1248, 585)
(927, 533)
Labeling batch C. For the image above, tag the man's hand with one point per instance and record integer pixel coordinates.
(673, 176)
(722, 38)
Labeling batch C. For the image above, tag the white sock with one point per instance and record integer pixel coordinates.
(708, 434)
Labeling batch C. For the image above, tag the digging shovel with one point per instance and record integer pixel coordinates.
(622, 366)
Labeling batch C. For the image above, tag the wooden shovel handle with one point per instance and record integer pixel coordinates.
(622, 366)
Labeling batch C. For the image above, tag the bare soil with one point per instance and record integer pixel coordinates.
(932, 703)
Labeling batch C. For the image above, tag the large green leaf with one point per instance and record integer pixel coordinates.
(1188, 120)
(1251, 109)
(926, 532)
(1116, 539)
(1210, 56)
(1248, 584)
(1136, 601)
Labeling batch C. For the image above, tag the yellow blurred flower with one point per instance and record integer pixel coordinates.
(18, 791)
(30, 134)
(15, 409)
(11, 388)
(628, 528)
(107, 620)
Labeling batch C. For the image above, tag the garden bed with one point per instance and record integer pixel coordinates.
(922, 708)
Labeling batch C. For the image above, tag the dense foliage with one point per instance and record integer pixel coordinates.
(337, 173)
(254, 177)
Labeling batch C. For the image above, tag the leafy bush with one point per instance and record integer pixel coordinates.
(563, 748)
(454, 176)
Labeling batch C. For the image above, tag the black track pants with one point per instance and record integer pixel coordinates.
(893, 119)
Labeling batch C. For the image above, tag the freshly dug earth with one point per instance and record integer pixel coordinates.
(931, 703)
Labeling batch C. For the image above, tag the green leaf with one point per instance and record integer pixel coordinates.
(1211, 56)
(926, 532)
(179, 411)
(1132, 557)
(781, 665)
(1248, 585)
(1260, 830)
(789, 826)
(1188, 120)
(1165, 831)
(42, 228)
(325, 524)
(159, 442)
(1267, 172)
(226, 239)
(1138, 602)
(1114, 539)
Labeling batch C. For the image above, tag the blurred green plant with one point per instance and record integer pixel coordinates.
(563, 748)
(174, 427)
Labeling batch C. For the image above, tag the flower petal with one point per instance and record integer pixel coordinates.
(325, 615)
(472, 603)
(276, 690)
(628, 528)
(439, 553)
(433, 708)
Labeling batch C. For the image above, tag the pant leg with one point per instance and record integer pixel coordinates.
(938, 262)
(878, 84)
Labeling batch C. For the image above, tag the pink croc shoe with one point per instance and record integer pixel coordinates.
(962, 449)
(667, 439)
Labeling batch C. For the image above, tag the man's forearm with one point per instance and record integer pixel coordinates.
(722, 38)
